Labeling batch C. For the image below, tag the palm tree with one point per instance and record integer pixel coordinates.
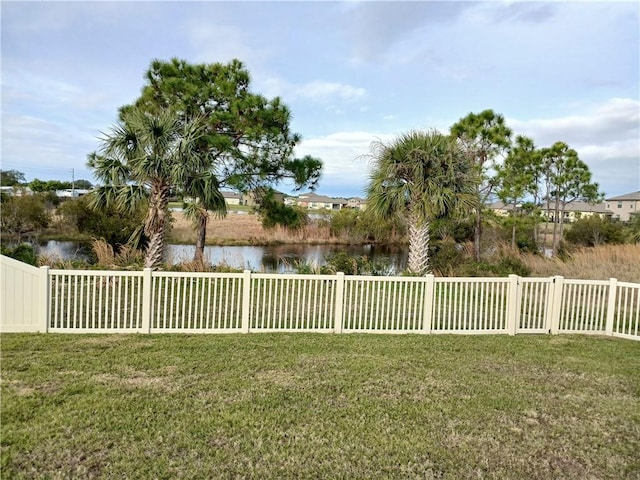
(143, 158)
(420, 176)
(203, 195)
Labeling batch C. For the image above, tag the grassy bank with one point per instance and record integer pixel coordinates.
(319, 406)
(246, 229)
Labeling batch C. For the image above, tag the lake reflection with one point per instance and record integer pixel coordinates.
(272, 258)
(282, 258)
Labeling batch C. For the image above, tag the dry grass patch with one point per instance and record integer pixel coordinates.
(602, 262)
(246, 229)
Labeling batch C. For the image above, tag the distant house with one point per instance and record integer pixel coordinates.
(232, 198)
(71, 193)
(357, 203)
(16, 190)
(248, 199)
(313, 201)
(572, 211)
(576, 210)
(623, 206)
(502, 209)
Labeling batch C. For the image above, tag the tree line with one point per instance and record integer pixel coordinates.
(197, 129)
(424, 176)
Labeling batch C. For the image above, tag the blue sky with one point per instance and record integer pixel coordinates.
(351, 73)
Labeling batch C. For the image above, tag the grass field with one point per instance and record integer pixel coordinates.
(320, 406)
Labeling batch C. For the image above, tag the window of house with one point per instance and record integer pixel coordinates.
(619, 204)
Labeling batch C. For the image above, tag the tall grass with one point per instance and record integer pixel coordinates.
(239, 229)
(593, 263)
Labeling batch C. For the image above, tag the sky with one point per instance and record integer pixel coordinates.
(352, 73)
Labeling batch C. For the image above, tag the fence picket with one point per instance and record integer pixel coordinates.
(147, 301)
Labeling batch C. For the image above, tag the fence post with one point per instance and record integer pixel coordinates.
(246, 300)
(611, 306)
(147, 288)
(556, 304)
(512, 305)
(427, 305)
(339, 310)
(45, 304)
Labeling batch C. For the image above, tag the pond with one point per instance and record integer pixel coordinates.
(271, 258)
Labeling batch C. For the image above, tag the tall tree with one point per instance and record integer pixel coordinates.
(484, 136)
(568, 179)
(203, 195)
(248, 143)
(143, 157)
(516, 177)
(10, 178)
(420, 176)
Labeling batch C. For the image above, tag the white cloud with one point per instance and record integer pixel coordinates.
(223, 43)
(323, 91)
(616, 121)
(344, 155)
(606, 137)
(319, 91)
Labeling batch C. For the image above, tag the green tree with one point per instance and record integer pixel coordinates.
(593, 231)
(83, 184)
(484, 136)
(633, 226)
(143, 158)
(9, 178)
(202, 195)
(274, 212)
(106, 223)
(38, 185)
(420, 176)
(248, 145)
(24, 214)
(567, 179)
(516, 178)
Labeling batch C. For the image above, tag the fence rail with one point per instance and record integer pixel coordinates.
(47, 300)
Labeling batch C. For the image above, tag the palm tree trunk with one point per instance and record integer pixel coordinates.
(556, 213)
(203, 219)
(155, 250)
(476, 235)
(418, 262)
(155, 224)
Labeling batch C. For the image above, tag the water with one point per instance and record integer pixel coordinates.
(272, 258)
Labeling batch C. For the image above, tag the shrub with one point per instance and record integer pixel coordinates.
(114, 227)
(24, 252)
(594, 231)
(23, 214)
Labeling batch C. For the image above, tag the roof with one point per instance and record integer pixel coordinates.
(578, 206)
(586, 207)
(314, 197)
(231, 195)
(626, 196)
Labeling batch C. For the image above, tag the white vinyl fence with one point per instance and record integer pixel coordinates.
(47, 300)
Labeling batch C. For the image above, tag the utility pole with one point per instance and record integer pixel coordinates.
(73, 183)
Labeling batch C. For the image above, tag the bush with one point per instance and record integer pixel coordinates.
(24, 252)
(506, 264)
(445, 257)
(350, 265)
(361, 226)
(594, 231)
(114, 227)
(23, 214)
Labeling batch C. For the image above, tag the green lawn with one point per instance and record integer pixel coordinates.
(312, 406)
